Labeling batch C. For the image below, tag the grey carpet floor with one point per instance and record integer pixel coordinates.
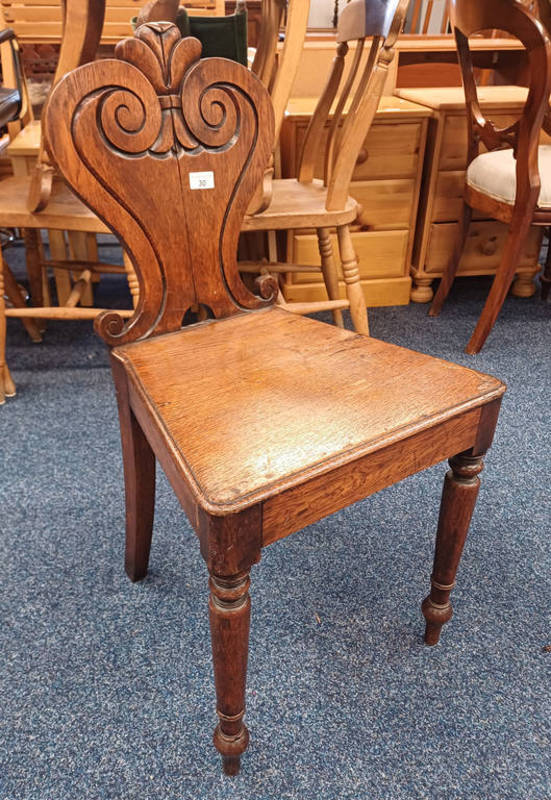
(106, 687)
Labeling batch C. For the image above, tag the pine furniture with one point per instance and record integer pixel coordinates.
(42, 21)
(306, 202)
(263, 421)
(512, 180)
(34, 199)
(386, 183)
(441, 200)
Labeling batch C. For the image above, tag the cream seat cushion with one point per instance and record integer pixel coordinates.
(495, 174)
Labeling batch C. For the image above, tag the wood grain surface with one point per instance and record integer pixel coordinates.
(130, 133)
(272, 398)
(263, 421)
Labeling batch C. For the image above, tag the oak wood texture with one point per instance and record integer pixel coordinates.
(169, 288)
(336, 429)
(523, 136)
(441, 200)
(386, 184)
(296, 201)
(248, 412)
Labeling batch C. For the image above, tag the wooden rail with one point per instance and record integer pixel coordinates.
(40, 21)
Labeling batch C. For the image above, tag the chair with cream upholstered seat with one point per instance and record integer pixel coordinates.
(511, 182)
(495, 174)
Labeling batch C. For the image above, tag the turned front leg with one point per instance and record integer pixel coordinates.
(230, 614)
(458, 500)
(351, 275)
(329, 270)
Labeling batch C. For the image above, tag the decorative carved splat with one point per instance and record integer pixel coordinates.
(168, 150)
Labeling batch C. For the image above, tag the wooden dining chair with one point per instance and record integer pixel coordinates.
(341, 121)
(512, 181)
(38, 201)
(14, 109)
(263, 421)
(422, 12)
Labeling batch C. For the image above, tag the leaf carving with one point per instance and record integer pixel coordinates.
(130, 136)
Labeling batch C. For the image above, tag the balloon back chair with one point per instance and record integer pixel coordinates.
(512, 181)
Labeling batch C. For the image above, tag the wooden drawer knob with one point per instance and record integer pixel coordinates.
(489, 247)
(362, 156)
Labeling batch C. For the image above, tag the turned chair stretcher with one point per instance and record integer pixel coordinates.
(263, 421)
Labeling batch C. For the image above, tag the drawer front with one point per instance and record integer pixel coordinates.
(483, 248)
(385, 204)
(380, 254)
(453, 154)
(389, 151)
(448, 199)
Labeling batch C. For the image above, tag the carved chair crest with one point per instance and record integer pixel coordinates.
(167, 149)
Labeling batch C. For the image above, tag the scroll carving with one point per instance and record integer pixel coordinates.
(168, 149)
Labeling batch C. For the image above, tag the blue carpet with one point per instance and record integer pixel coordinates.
(106, 687)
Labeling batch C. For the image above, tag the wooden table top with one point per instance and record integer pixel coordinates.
(390, 107)
(452, 98)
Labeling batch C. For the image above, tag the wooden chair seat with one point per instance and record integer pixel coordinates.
(495, 174)
(300, 205)
(223, 425)
(63, 212)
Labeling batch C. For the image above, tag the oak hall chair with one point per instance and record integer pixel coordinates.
(263, 421)
(512, 181)
(307, 202)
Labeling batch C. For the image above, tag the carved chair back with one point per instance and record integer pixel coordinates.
(470, 17)
(167, 149)
(158, 11)
(360, 21)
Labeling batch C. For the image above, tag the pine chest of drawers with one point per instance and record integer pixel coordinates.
(386, 183)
